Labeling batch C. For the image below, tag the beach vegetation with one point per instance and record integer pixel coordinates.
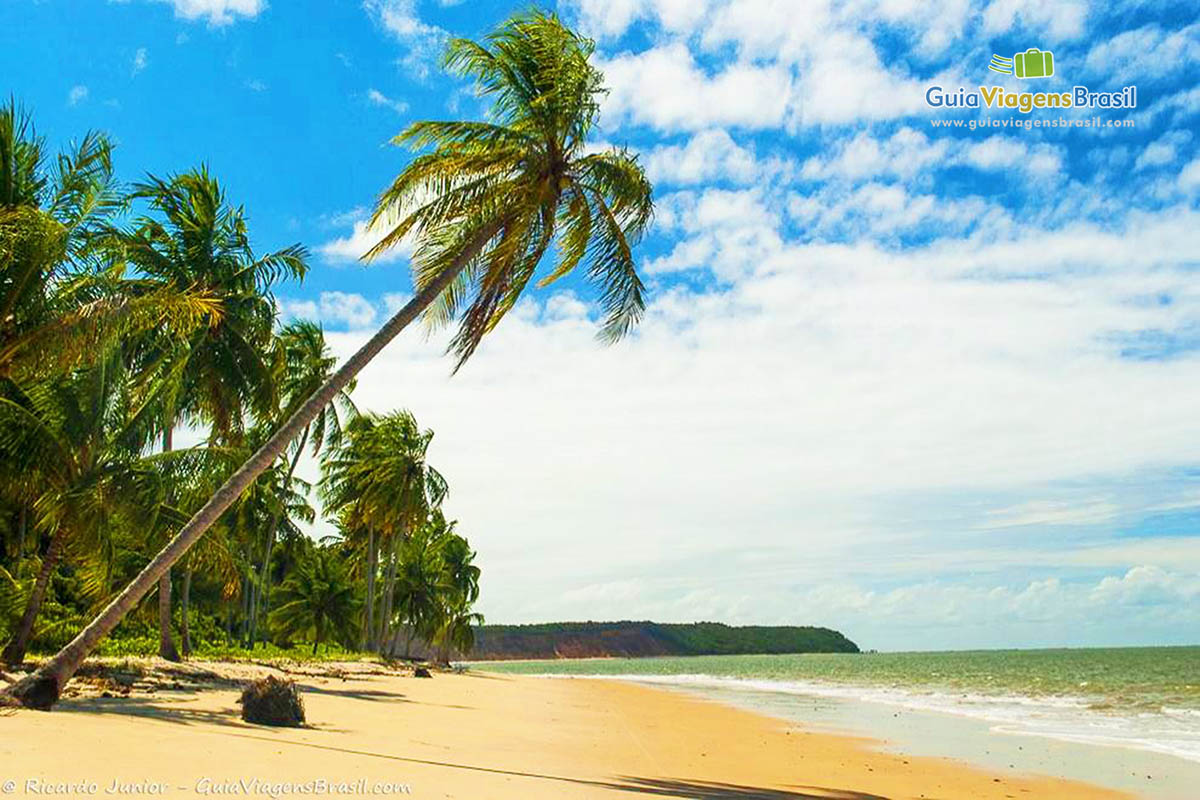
(133, 314)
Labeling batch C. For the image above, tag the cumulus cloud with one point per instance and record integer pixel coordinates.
(954, 372)
(378, 98)
(351, 247)
(712, 155)
(217, 12)
(793, 402)
(422, 43)
(1062, 20)
(1145, 53)
(1164, 150)
(343, 309)
(666, 88)
(139, 61)
(77, 95)
(1189, 176)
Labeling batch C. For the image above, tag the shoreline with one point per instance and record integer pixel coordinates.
(477, 734)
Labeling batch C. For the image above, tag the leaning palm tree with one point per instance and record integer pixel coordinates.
(306, 364)
(483, 202)
(221, 370)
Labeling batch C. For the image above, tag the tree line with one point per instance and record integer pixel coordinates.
(487, 205)
(131, 314)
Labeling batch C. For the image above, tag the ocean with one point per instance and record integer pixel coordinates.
(1123, 717)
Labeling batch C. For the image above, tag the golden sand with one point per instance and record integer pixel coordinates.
(476, 736)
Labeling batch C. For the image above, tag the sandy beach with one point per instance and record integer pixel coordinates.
(474, 735)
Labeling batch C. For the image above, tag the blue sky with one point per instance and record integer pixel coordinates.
(934, 386)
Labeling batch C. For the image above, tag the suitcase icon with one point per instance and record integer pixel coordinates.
(1034, 63)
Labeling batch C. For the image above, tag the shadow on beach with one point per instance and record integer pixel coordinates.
(710, 790)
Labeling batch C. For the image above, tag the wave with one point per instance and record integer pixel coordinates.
(1169, 731)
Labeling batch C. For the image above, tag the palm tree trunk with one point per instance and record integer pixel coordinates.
(264, 577)
(22, 526)
(185, 633)
(14, 653)
(251, 605)
(389, 593)
(245, 608)
(369, 635)
(166, 645)
(42, 688)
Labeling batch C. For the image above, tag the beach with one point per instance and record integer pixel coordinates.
(382, 732)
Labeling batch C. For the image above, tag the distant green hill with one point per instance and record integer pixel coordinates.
(635, 639)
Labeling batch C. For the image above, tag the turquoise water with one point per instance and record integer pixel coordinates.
(1138, 698)
(1134, 678)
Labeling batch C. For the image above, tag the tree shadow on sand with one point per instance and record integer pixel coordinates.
(375, 695)
(710, 790)
(164, 708)
(176, 711)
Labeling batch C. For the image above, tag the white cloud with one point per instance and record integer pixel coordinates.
(421, 41)
(1145, 53)
(842, 80)
(77, 95)
(378, 98)
(256, 85)
(217, 12)
(613, 17)
(1164, 150)
(1189, 176)
(339, 308)
(344, 249)
(902, 155)
(1062, 20)
(139, 60)
(711, 155)
(908, 153)
(664, 87)
(1050, 512)
(792, 405)
(1009, 153)
(819, 67)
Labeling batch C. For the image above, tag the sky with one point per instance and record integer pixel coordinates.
(934, 386)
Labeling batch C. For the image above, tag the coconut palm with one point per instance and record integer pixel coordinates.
(319, 600)
(70, 449)
(456, 634)
(222, 370)
(420, 589)
(453, 620)
(307, 364)
(483, 203)
(379, 476)
(63, 299)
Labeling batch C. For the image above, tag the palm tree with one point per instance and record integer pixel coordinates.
(457, 633)
(420, 589)
(318, 600)
(63, 299)
(307, 364)
(444, 619)
(483, 202)
(73, 442)
(378, 475)
(222, 369)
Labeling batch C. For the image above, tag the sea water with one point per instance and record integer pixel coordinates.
(1128, 718)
